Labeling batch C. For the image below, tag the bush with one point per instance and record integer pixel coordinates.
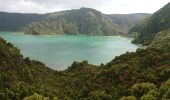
(140, 89)
(148, 97)
(128, 98)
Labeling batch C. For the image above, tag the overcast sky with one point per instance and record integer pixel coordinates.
(105, 6)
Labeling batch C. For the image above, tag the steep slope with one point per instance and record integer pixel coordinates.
(147, 69)
(162, 40)
(20, 77)
(127, 21)
(140, 75)
(85, 21)
(15, 21)
(81, 21)
(147, 30)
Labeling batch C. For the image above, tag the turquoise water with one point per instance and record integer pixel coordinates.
(59, 51)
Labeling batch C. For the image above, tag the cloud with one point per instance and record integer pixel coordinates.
(105, 6)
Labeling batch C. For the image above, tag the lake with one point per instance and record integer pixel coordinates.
(59, 51)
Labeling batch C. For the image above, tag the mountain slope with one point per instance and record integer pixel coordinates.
(81, 21)
(140, 75)
(147, 30)
(162, 40)
(15, 21)
(127, 21)
(84, 21)
(21, 77)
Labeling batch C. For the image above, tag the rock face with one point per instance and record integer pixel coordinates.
(148, 29)
(82, 21)
(78, 21)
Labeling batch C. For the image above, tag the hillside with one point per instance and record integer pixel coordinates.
(15, 21)
(77, 21)
(84, 21)
(148, 29)
(20, 77)
(120, 78)
(162, 40)
(127, 21)
(140, 75)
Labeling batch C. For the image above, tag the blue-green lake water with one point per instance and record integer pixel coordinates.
(59, 51)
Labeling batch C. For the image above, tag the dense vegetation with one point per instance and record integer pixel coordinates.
(16, 21)
(140, 75)
(162, 40)
(148, 29)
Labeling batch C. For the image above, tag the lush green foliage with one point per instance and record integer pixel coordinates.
(159, 21)
(162, 40)
(131, 75)
(140, 75)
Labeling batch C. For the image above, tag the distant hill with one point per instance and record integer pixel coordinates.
(127, 21)
(81, 21)
(15, 21)
(84, 21)
(77, 21)
(148, 29)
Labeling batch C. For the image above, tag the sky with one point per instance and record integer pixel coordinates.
(104, 6)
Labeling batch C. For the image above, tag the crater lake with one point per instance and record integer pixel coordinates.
(59, 51)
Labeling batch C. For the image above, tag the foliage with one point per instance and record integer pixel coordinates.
(128, 98)
(148, 29)
(162, 40)
(143, 70)
(36, 97)
(140, 89)
(148, 97)
(143, 74)
(165, 90)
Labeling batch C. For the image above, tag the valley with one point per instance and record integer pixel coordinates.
(123, 71)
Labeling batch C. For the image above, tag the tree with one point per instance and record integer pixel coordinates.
(148, 97)
(165, 90)
(128, 98)
(99, 95)
(140, 89)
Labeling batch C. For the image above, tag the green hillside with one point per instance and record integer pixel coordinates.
(84, 21)
(162, 40)
(148, 29)
(77, 21)
(127, 21)
(124, 77)
(140, 75)
(16, 21)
